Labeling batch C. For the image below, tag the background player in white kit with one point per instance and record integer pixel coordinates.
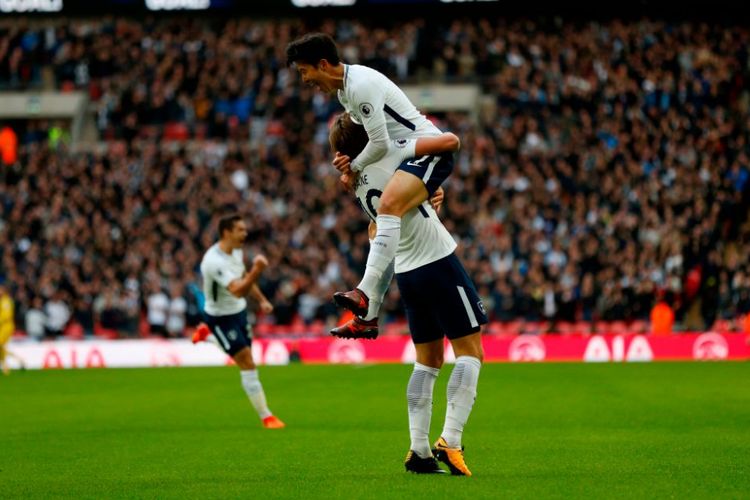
(439, 297)
(375, 102)
(225, 285)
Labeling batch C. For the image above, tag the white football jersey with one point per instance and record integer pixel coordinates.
(218, 270)
(424, 239)
(374, 101)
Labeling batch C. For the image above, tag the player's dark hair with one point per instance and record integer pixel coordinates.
(227, 222)
(311, 48)
(347, 137)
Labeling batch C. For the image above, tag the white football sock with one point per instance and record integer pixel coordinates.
(382, 288)
(419, 399)
(254, 391)
(382, 253)
(462, 391)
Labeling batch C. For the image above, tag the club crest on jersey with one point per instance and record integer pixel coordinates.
(365, 108)
(401, 143)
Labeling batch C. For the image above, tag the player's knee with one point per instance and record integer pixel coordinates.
(433, 360)
(245, 365)
(244, 360)
(477, 351)
(391, 205)
(472, 349)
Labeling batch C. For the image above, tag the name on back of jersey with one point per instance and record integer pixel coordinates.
(361, 181)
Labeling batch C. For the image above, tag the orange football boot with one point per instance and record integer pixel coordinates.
(201, 333)
(452, 457)
(357, 328)
(273, 422)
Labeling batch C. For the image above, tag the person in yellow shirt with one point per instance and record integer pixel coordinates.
(7, 327)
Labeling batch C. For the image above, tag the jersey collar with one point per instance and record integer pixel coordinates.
(222, 252)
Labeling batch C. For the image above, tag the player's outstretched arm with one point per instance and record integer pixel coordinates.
(443, 143)
(241, 286)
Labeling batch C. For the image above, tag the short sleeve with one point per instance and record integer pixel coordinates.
(406, 148)
(213, 272)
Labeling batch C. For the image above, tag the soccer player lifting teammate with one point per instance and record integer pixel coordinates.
(439, 298)
(225, 285)
(375, 102)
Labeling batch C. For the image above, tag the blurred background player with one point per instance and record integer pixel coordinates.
(7, 327)
(439, 297)
(386, 113)
(225, 285)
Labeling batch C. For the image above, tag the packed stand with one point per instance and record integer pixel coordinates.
(611, 172)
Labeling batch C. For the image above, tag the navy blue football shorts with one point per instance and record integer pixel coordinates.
(232, 331)
(432, 169)
(440, 300)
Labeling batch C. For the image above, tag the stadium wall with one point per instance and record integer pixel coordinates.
(522, 348)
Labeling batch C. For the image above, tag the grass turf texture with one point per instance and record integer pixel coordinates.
(549, 430)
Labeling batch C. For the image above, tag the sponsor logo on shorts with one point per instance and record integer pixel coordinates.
(480, 305)
(232, 334)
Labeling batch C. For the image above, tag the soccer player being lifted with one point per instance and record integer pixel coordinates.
(225, 285)
(439, 298)
(386, 114)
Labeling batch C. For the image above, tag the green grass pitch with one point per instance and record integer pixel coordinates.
(662, 430)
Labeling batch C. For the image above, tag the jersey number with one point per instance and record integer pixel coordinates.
(369, 209)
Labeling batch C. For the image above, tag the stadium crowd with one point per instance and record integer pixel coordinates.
(610, 172)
